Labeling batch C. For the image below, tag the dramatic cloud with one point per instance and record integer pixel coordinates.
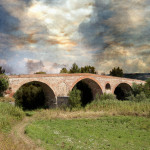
(38, 34)
(118, 30)
(34, 66)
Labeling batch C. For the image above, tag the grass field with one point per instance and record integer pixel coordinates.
(115, 133)
(105, 124)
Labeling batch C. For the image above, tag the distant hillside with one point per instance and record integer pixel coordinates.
(139, 76)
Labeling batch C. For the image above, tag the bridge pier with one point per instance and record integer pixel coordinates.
(62, 101)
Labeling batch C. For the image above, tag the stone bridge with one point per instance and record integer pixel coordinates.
(56, 87)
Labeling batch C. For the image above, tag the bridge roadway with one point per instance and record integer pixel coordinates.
(56, 87)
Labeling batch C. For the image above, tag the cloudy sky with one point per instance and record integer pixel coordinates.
(47, 35)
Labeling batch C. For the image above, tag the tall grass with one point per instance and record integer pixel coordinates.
(121, 107)
(9, 115)
(97, 109)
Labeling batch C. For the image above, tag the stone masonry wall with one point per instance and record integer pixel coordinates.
(61, 84)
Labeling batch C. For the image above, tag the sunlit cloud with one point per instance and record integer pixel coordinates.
(103, 33)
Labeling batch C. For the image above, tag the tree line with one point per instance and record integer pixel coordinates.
(76, 69)
(118, 72)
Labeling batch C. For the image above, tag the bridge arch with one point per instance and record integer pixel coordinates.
(89, 87)
(108, 86)
(122, 90)
(82, 78)
(49, 93)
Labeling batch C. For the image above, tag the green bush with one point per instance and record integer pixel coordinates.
(140, 92)
(30, 96)
(138, 97)
(75, 98)
(3, 84)
(108, 96)
(137, 88)
(147, 88)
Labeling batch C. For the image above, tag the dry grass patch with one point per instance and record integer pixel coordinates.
(60, 114)
(7, 143)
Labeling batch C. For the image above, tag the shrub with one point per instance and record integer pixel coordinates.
(97, 97)
(138, 98)
(30, 96)
(140, 92)
(106, 96)
(137, 88)
(147, 88)
(3, 84)
(131, 97)
(75, 98)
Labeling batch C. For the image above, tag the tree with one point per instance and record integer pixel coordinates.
(63, 70)
(147, 88)
(2, 71)
(40, 72)
(3, 84)
(140, 92)
(118, 72)
(30, 96)
(75, 69)
(88, 69)
(75, 98)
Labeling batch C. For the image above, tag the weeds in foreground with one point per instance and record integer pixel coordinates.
(9, 115)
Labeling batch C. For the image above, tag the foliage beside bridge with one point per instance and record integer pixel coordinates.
(30, 96)
(3, 84)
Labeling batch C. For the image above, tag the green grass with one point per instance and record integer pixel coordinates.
(9, 115)
(114, 133)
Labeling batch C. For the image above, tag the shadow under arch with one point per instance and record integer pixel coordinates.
(49, 95)
(89, 88)
(122, 91)
(107, 86)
